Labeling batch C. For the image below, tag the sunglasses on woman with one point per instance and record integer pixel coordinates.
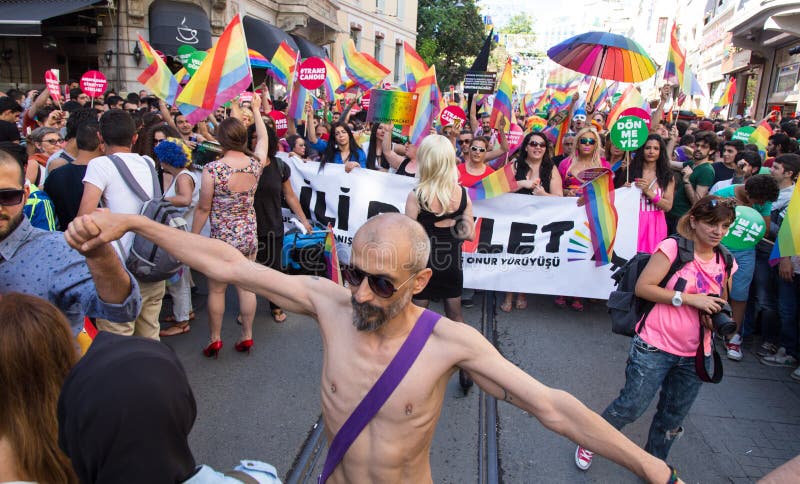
(380, 285)
(477, 149)
(587, 141)
(11, 196)
(537, 144)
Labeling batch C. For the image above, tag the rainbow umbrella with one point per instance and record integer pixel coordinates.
(605, 55)
(257, 60)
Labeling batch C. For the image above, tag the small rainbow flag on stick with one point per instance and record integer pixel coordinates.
(727, 95)
(500, 182)
(423, 116)
(502, 98)
(258, 61)
(362, 68)
(760, 137)
(788, 242)
(676, 59)
(283, 62)
(332, 258)
(157, 76)
(415, 67)
(631, 98)
(602, 215)
(333, 79)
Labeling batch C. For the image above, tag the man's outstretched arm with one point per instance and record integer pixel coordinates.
(555, 409)
(214, 258)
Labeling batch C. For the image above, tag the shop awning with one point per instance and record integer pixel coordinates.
(265, 38)
(173, 24)
(24, 17)
(308, 48)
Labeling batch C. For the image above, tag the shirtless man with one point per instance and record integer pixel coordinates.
(361, 333)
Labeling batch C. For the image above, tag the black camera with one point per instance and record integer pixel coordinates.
(724, 324)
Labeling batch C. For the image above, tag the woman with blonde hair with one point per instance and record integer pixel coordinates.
(441, 205)
(37, 352)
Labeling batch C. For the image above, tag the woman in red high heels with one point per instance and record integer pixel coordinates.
(226, 195)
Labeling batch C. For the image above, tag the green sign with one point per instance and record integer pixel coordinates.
(743, 134)
(195, 59)
(629, 133)
(747, 229)
(184, 52)
(397, 134)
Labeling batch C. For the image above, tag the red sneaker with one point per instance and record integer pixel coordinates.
(583, 458)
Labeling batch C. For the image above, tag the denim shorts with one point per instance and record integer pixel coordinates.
(740, 283)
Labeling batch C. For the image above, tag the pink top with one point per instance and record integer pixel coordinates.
(571, 182)
(676, 330)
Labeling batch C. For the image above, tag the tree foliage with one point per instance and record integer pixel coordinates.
(519, 23)
(449, 37)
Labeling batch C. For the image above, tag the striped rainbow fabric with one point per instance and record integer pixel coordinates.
(333, 79)
(362, 68)
(500, 182)
(760, 137)
(283, 60)
(602, 216)
(676, 59)
(332, 258)
(221, 77)
(502, 98)
(423, 118)
(157, 76)
(788, 241)
(415, 66)
(726, 98)
(631, 98)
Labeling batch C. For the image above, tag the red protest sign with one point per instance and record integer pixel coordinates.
(453, 115)
(246, 97)
(312, 72)
(365, 100)
(51, 81)
(637, 112)
(94, 83)
(281, 123)
(514, 136)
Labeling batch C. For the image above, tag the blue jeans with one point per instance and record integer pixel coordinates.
(788, 292)
(649, 369)
(762, 292)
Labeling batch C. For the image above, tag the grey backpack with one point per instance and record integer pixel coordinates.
(147, 261)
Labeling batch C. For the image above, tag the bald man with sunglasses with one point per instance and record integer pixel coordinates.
(363, 327)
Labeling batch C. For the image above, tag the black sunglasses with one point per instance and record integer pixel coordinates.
(587, 141)
(540, 144)
(462, 141)
(11, 196)
(477, 149)
(380, 285)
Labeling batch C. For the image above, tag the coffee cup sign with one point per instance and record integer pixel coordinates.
(312, 72)
(629, 133)
(51, 81)
(94, 83)
(453, 115)
(281, 123)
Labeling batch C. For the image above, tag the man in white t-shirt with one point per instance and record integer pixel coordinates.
(103, 183)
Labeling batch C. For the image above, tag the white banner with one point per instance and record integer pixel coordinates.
(535, 245)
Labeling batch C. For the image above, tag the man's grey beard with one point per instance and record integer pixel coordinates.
(367, 317)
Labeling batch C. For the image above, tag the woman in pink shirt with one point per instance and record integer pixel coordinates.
(662, 354)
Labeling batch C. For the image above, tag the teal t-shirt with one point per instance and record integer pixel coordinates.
(728, 192)
(702, 175)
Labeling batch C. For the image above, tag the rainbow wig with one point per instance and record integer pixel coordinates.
(174, 152)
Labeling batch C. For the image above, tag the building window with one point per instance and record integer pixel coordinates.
(378, 49)
(400, 9)
(380, 6)
(398, 61)
(787, 78)
(661, 33)
(355, 34)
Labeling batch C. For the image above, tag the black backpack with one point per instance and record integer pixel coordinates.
(625, 308)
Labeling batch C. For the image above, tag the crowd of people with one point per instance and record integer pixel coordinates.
(60, 162)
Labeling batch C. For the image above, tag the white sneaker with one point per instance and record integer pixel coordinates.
(796, 373)
(780, 358)
(734, 347)
(583, 457)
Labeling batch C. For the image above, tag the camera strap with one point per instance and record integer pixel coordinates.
(700, 360)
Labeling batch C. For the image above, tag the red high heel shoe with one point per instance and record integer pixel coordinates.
(213, 349)
(244, 346)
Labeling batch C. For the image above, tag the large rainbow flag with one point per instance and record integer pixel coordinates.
(726, 98)
(332, 79)
(415, 66)
(561, 77)
(283, 61)
(599, 197)
(332, 258)
(676, 59)
(631, 98)
(221, 77)
(157, 76)
(500, 182)
(760, 137)
(424, 115)
(788, 241)
(502, 98)
(362, 68)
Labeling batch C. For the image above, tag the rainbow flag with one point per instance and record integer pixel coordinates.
(557, 132)
(602, 215)
(500, 182)
(531, 102)
(362, 68)
(415, 67)
(332, 258)
(760, 137)
(297, 101)
(423, 118)
(561, 77)
(283, 61)
(258, 61)
(631, 98)
(560, 97)
(157, 76)
(788, 241)
(690, 84)
(502, 98)
(182, 76)
(332, 79)
(726, 98)
(676, 59)
(222, 76)
(535, 124)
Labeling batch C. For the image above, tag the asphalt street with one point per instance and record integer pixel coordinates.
(265, 406)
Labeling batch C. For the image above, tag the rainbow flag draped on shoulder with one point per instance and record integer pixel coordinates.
(599, 197)
(157, 76)
(221, 77)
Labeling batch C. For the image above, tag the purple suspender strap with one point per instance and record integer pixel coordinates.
(380, 392)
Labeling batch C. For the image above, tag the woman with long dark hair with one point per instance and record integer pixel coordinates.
(650, 172)
(341, 149)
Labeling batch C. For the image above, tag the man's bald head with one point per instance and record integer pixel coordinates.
(398, 240)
